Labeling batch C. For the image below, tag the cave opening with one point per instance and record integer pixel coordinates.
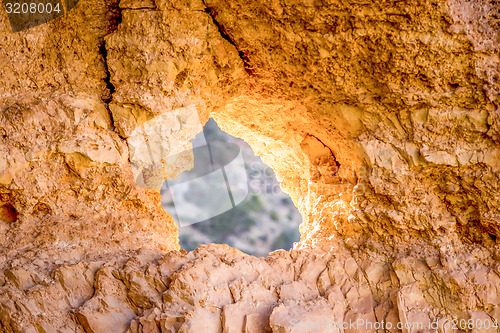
(240, 195)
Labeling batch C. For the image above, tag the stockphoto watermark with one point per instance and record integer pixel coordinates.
(204, 177)
(261, 181)
(323, 180)
(26, 14)
(361, 324)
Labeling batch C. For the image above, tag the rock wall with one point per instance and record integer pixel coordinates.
(64, 171)
(381, 121)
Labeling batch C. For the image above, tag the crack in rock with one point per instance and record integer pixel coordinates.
(224, 34)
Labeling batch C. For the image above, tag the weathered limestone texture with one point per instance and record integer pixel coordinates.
(380, 118)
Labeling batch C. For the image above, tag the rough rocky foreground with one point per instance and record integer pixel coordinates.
(216, 288)
(380, 119)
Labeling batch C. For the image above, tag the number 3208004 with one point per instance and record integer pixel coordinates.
(32, 8)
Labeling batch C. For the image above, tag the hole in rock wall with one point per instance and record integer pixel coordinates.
(8, 213)
(230, 197)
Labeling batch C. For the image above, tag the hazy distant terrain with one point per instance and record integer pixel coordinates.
(265, 221)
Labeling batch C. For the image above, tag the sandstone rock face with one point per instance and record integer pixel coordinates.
(63, 169)
(380, 119)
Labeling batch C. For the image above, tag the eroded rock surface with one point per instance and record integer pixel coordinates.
(381, 120)
(216, 288)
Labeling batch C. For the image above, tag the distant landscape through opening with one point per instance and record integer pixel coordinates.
(264, 221)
